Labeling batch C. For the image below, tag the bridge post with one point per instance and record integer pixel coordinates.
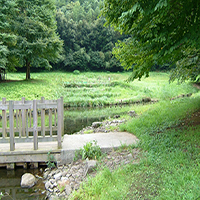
(4, 119)
(11, 122)
(23, 118)
(42, 119)
(60, 130)
(35, 124)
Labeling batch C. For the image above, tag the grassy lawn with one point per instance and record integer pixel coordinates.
(91, 89)
(169, 166)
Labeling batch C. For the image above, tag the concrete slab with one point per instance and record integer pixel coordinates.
(106, 141)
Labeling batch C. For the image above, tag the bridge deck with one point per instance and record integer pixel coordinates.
(28, 146)
(24, 151)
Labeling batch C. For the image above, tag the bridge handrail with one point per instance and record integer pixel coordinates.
(23, 119)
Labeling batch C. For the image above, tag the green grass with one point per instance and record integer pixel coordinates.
(169, 166)
(91, 89)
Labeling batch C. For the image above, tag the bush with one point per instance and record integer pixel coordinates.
(91, 151)
(76, 72)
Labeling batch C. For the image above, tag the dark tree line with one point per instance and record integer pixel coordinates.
(88, 43)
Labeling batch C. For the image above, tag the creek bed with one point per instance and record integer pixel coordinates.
(74, 120)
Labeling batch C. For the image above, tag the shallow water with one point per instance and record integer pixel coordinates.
(74, 121)
(11, 189)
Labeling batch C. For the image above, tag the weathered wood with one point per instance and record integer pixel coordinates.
(29, 118)
(46, 106)
(23, 117)
(35, 131)
(30, 139)
(17, 116)
(4, 120)
(20, 123)
(42, 119)
(60, 118)
(50, 121)
(27, 132)
(10, 166)
(11, 123)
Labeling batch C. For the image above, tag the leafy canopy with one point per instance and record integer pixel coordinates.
(161, 31)
(28, 34)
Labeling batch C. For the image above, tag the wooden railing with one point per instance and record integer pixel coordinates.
(31, 121)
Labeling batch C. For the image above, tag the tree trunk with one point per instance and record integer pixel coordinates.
(28, 71)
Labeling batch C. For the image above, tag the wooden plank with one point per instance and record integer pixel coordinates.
(46, 106)
(20, 123)
(59, 132)
(23, 118)
(42, 119)
(22, 106)
(31, 129)
(55, 116)
(17, 121)
(30, 139)
(27, 132)
(4, 119)
(50, 121)
(30, 118)
(3, 107)
(35, 125)
(62, 118)
(11, 122)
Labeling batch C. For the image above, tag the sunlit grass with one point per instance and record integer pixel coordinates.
(91, 89)
(169, 161)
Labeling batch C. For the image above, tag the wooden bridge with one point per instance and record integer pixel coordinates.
(29, 131)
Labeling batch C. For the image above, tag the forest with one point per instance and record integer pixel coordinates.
(88, 43)
(88, 35)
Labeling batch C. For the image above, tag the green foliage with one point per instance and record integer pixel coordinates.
(8, 11)
(76, 72)
(29, 37)
(169, 160)
(90, 150)
(51, 160)
(160, 32)
(1, 195)
(87, 42)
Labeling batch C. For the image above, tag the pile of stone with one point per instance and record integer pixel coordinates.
(105, 126)
(60, 182)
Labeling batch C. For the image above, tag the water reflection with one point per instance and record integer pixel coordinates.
(74, 121)
(71, 126)
(11, 189)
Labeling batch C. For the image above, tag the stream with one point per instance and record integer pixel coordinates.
(74, 121)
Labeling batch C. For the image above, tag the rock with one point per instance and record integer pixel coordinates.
(57, 176)
(28, 180)
(68, 189)
(96, 124)
(48, 185)
(146, 99)
(132, 113)
(90, 166)
(70, 177)
(63, 183)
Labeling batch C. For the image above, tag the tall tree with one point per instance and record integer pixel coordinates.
(161, 31)
(8, 10)
(37, 41)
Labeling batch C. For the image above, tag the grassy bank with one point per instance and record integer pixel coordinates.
(91, 89)
(170, 157)
(169, 166)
